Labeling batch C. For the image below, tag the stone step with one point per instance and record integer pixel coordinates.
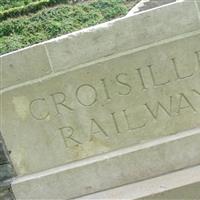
(183, 184)
(114, 169)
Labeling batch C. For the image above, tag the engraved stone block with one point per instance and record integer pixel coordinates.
(115, 119)
(119, 102)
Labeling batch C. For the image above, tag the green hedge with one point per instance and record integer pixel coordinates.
(52, 22)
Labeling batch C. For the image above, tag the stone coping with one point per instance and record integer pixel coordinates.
(101, 41)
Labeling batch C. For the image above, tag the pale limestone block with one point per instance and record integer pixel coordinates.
(114, 169)
(23, 65)
(122, 34)
(116, 103)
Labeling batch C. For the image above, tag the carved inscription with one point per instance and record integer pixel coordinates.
(87, 95)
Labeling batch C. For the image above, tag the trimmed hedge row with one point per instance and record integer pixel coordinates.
(52, 22)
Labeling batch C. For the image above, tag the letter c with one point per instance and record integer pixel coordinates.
(38, 102)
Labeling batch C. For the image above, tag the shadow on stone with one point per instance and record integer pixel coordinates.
(6, 173)
(6, 193)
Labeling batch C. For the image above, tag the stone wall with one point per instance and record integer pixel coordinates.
(109, 105)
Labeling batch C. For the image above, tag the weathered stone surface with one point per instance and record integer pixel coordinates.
(183, 184)
(109, 105)
(124, 34)
(114, 169)
(23, 65)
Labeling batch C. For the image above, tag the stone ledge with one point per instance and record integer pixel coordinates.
(183, 184)
(129, 165)
(89, 44)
